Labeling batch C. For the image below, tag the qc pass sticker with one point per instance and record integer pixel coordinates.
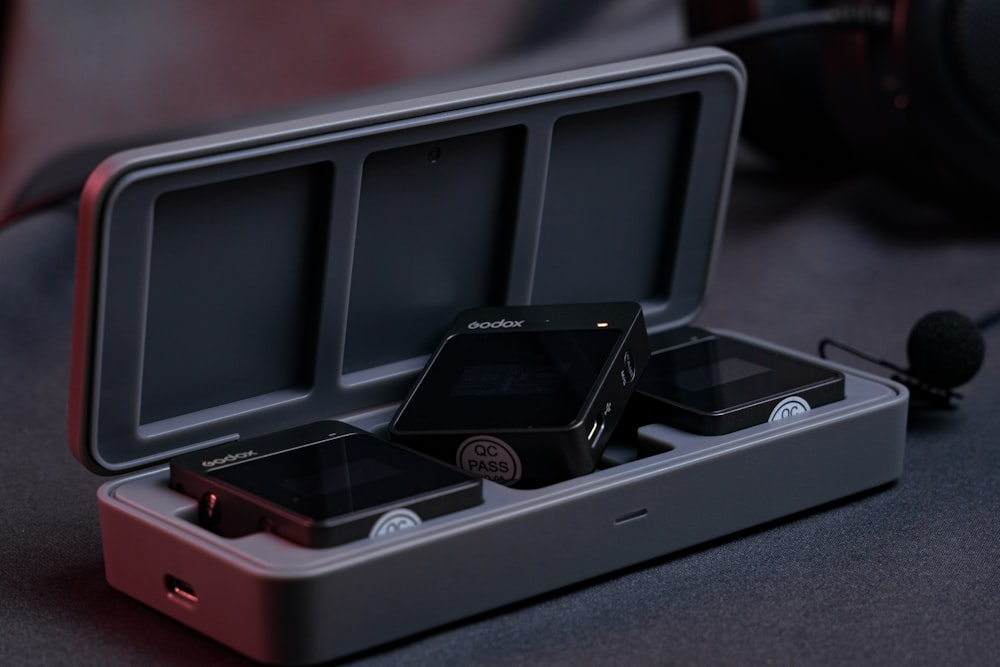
(789, 407)
(394, 521)
(490, 458)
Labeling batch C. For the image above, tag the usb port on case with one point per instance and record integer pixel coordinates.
(180, 590)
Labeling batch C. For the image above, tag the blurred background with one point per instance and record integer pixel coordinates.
(905, 88)
(81, 80)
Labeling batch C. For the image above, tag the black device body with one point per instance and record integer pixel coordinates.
(526, 395)
(320, 484)
(711, 384)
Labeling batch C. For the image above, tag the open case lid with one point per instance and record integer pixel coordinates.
(255, 280)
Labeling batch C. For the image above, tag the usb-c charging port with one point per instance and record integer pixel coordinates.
(595, 430)
(180, 590)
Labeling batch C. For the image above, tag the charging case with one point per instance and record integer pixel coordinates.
(238, 284)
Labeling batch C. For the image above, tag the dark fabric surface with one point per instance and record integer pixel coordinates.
(909, 574)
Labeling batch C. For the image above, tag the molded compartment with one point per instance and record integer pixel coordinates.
(697, 488)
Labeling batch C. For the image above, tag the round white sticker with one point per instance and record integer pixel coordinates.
(394, 521)
(490, 458)
(789, 407)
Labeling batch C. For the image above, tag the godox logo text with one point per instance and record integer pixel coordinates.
(497, 324)
(228, 458)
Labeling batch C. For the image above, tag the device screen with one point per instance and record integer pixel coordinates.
(340, 476)
(530, 379)
(716, 374)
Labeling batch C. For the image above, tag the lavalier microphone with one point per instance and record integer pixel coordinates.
(945, 350)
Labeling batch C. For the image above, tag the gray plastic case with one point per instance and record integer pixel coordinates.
(242, 283)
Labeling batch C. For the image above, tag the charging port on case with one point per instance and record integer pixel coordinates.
(180, 590)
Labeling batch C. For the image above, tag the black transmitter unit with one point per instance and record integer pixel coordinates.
(526, 395)
(711, 384)
(319, 485)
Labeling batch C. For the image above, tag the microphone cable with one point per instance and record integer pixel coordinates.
(843, 17)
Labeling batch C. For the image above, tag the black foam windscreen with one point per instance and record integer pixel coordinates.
(945, 349)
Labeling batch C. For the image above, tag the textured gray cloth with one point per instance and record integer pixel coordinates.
(908, 574)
